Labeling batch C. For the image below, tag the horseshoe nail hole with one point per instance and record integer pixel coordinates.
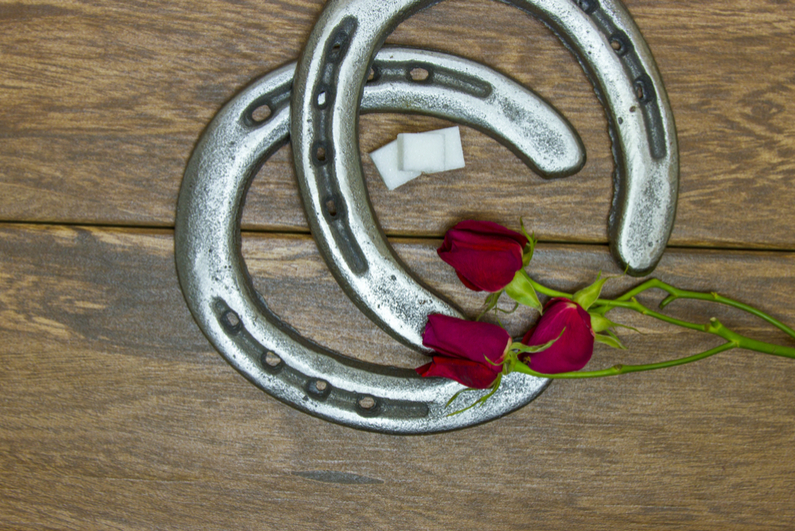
(271, 363)
(367, 406)
(231, 321)
(320, 153)
(335, 52)
(231, 318)
(419, 74)
(319, 389)
(271, 359)
(644, 89)
(620, 121)
(261, 113)
(620, 42)
(633, 109)
(367, 403)
(324, 96)
(331, 208)
(589, 6)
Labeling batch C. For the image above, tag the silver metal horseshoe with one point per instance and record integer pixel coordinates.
(336, 59)
(236, 319)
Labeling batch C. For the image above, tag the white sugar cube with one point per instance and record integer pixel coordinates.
(414, 153)
(386, 162)
(453, 152)
(423, 152)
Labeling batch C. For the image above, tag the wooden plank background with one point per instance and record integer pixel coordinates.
(116, 413)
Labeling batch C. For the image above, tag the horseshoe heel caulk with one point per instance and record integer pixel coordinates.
(236, 319)
(336, 59)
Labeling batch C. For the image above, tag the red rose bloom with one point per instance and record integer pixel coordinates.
(463, 348)
(485, 255)
(572, 350)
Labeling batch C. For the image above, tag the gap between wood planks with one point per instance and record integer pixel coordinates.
(397, 236)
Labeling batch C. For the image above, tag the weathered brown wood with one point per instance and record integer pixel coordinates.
(102, 103)
(115, 412)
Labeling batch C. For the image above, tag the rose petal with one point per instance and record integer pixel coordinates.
(471, 340)
(466, 282)
(571, 351)
(487, 262)
(489, 227)
(468, 373)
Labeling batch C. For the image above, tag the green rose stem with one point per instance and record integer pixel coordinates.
(518, 366)
(628, 300)
(676, 293)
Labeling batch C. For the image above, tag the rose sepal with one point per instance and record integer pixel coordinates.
(508, 363)
(609, 340)
(490, 303)
(480, 401)
(522, 291)
(530, 248)
(517, 348)
(600, 323)
(587, 296)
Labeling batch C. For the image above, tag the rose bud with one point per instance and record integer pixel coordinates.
(485, 255)
(463, 348)
(571, 325)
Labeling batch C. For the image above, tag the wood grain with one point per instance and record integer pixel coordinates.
(117, 413)
(102, 103)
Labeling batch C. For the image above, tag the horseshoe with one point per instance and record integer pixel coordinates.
(236, 319)
(342, 44)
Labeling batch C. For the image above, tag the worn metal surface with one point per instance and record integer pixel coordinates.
(235, 317)
(512, 114)
(613, 53)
